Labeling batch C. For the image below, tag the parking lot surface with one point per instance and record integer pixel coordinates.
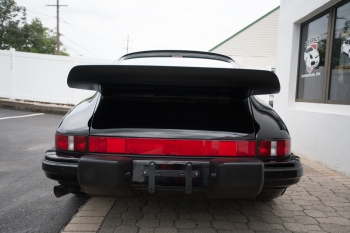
(27, 201)
(320, 202)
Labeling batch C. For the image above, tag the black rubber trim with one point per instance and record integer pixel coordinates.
(277, 174)
(61, 168)
(60, 171)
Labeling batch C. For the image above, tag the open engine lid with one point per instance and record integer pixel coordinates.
(95, 77)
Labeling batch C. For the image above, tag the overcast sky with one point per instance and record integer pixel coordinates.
(99, 28)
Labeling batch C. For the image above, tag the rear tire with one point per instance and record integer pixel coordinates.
(270, 193)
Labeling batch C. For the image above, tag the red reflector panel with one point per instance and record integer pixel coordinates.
(61, 142)
(237, 148)
(106, 145)
(80, 143)
(227, 148)
(245, 148)
(171, 147)
(283, 148)
(97, 144)
(145, 146)
(264, 148)
(115, 145)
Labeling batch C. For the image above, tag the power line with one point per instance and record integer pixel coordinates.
(23, 32)
(35, 8)
(73, 50)
(81, 47)
(50, 39)
(83, 35)
(35, 38)
(48, 18)
(31, 38)
(117, 46)
(40, 13)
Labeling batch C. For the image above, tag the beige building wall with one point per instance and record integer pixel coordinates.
(256, 45)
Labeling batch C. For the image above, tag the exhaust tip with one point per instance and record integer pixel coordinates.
(60, 191)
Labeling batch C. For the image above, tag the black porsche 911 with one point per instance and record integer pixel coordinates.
(180, 121)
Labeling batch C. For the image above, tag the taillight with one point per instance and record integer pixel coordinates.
(107, 145)
(61, 142)
(274, 148)
(70, 143)
(153, 146)
(79, 143)
(236, 148)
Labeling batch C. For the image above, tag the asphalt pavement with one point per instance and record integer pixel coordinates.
(27, 201)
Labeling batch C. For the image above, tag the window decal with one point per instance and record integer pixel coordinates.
(311, 55)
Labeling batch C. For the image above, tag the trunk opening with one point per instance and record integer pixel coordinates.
(182, 110)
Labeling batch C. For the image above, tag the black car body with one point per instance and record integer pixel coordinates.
(173, 120)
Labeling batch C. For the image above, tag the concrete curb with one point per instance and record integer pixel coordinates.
(34, 106)
(90, 216)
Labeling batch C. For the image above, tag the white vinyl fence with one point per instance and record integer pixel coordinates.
(41, 77)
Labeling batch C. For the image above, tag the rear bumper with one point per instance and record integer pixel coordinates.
(220, 177)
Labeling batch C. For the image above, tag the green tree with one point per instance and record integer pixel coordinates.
(11, 18)
(39, 39)
(16, 33)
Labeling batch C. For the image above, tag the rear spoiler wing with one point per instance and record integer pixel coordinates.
(94, 77)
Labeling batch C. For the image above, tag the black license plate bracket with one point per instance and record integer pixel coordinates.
(152, 173)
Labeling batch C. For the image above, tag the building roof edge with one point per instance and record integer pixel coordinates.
(270, 12)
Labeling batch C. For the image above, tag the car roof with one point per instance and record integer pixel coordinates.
(177, 53)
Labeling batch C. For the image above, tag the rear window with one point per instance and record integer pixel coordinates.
(177, 61)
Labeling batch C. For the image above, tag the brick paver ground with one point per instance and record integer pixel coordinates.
(320, 202)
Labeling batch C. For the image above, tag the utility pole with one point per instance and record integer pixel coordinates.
(127, 44)
(58, 25)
